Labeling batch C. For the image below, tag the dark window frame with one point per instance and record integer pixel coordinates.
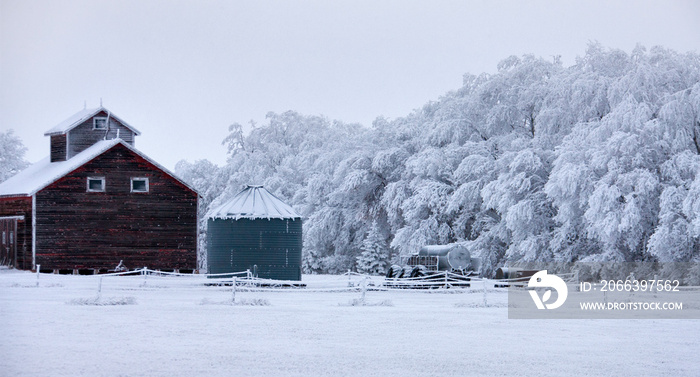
(102, 179)
(95, 123)
(146, 185)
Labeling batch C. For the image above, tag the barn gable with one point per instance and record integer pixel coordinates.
(36, 177)
(154, 225)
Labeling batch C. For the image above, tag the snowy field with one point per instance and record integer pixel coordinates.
(177, 327)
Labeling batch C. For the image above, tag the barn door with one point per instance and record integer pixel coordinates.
(8, 242)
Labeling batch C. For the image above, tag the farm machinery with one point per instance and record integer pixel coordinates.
(435, 266)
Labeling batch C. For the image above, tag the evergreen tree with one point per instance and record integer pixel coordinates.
(374, 256)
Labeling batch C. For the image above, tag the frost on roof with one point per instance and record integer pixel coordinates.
(254, 202)
(43, 173)
(34, 178)
(80, 117)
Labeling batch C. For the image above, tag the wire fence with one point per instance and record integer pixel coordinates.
(440, 281)
(150, 286)
(226, 286)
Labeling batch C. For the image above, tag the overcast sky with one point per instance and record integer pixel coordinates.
(182, 71)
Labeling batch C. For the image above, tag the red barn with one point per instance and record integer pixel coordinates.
(96, 201)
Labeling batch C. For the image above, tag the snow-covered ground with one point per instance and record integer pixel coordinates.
(176, 327)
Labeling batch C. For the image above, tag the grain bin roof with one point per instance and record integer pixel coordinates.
(254, 202)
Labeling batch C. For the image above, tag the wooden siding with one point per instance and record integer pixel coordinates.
(20, 206)
(58, 148)
(83, 136)
(77, 229)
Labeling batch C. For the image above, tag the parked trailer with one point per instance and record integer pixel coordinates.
(435, 266)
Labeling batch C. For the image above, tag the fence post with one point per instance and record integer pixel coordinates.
(364, 290)
(485, 302)
(145, 274)
(233, 292)
(349, 279)
(99, 287)
(605, 297)
(38, 268)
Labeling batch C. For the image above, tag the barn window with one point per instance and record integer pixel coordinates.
(96, 184)
(4, 241)
(139, 184)
(99, 123)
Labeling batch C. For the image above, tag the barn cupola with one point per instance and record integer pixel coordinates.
(86, 128)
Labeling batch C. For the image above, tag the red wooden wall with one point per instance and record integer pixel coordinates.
(77, 229)
(20, 206)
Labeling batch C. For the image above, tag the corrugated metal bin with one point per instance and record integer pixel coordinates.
(255, 231)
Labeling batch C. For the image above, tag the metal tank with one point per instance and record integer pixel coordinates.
(508, 273)
(513, 273)
(255, 231)
(452, 256)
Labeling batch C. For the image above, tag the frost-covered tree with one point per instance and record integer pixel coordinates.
(11, 155)
(517, 196)
(305, 161)
(375, 255)
(209, 181)
(534, 163)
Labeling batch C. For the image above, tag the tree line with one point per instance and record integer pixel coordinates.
(535, 163)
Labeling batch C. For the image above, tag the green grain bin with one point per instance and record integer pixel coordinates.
(255, 231)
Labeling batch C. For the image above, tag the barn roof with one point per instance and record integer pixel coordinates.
(36, 177)
(254, 202)
(80, 117)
